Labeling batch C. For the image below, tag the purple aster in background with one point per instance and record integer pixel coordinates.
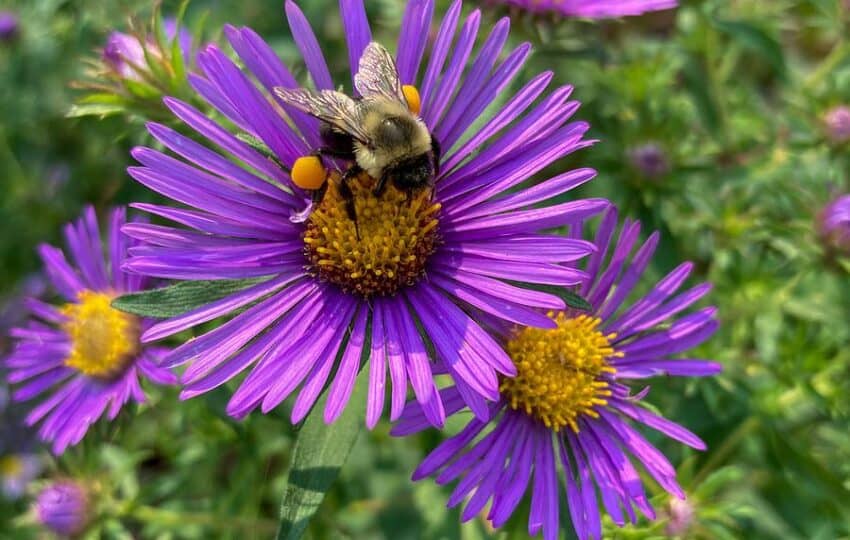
(84, 354)
(63, 507)
(591, 9)
(9, 26)
(124, 54)
(833, 225)
(650, 160)
(837, 124)
(16, 473)
(332, 287)
(567, 414)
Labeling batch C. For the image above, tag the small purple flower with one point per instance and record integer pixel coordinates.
(592, 9)
(332, 286)
(9, 26)
(125, 54)
(681, 513)
(567, 414)
(650, 160)
(63, 507)
(837, 124)
(834, 225)
(85, 353)
(16, 473)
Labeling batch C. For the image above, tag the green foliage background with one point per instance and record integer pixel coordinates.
(733, 91)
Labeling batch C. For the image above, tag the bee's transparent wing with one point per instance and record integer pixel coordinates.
(377, 75)
(335, 108)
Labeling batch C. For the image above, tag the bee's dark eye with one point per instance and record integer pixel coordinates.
(393, 131)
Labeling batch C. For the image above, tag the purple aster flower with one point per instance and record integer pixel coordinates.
(650, 160)
(834, 225)
(592, 9)
(124, 53)
(335, 286)
(9, 26)
(837, 124)
(568, 412)
(63, 507)
(84, 353)
(16, 473)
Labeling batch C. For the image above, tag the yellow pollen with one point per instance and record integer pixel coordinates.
(559, 371)
(411, 95)
(103, 339)
(308, 172)
(397, 234)
(10, 466)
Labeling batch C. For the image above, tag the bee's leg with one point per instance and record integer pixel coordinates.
(381, 186)
(318, 194)
(438, 153)
(347, 195)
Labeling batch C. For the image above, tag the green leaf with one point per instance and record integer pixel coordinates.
(318, 455)
(94, 109)
(751, 37)
(178, 299)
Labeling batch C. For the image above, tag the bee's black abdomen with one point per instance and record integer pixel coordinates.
(413, 173)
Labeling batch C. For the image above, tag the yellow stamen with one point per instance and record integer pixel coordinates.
(411, 94)
(308, 172)
(559, 371)
(103, 339)
(397, 234)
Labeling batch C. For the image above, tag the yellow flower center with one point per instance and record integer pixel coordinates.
(387, 248)
(11, 466)
(559, 371)
(103, 339)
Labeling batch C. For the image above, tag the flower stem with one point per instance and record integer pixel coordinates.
(163, 516)
(719, 456)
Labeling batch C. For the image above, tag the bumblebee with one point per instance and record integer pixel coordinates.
(380, 131)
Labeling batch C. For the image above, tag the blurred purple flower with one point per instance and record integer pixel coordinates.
(16, 473)
(571, 403)
(650, 160)
(473, 237)
(63, 507)
(125, 55)
(837, 124)
(85, 352)
(833, 225)
(681, 517)
(592, 9)
(9, 26)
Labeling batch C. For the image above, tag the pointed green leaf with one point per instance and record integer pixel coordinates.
(318, 455)
(178, 299)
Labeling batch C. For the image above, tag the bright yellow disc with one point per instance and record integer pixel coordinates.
(411, 94)
(308, 172)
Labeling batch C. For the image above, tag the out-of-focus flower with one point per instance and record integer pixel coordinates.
(136, 70)
(592, 9)
(125, 53)
(16, 473)
(332, 280)
(63, 507)
(571, 402)
(833, 225)
(650, 160)
(85, 353)
(681, 516)
(9, 26)
(837, 124)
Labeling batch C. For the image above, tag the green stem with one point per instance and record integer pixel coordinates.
(723, 451)
(162, 516)
(835, 57)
